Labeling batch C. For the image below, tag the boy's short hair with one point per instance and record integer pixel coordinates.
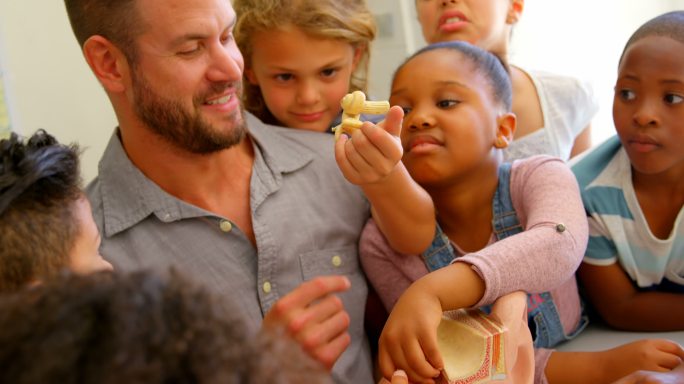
(485, 62)
(669, 24)
(139, 328)
(39, 186)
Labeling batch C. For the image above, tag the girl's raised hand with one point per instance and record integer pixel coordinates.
(373, 151)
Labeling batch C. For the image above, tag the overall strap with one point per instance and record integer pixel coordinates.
(504, 222)
(504, 219)
(440, 253)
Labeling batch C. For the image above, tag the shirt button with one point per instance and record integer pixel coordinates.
(267, 287)
(560, 227)
(336, 261)
(225, 225)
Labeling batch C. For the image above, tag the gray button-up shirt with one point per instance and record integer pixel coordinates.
(307, 221)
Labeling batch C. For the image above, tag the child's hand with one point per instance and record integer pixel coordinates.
(676, 376)
(409, 339)
(511, 310)
(373, 151)
(657, 355)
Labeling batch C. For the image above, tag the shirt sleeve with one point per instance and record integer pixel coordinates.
(547, 253)
(390, 272)
(601, 249)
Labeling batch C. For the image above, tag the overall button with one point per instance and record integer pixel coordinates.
(336, 260)
(225, 226)
(560, 227)
(267, 287)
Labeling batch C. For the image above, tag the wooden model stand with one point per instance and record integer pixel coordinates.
(472, 346)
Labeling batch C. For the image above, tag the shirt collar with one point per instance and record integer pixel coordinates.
(129, 197)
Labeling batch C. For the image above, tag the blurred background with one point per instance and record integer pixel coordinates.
(45, 82)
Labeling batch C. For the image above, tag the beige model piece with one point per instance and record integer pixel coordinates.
(471, 344)
(353, 105)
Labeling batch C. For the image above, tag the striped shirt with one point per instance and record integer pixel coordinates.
(618, 230)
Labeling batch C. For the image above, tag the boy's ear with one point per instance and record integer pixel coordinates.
(107, 62)
(506, 129)
(251, 77)
(515, 11)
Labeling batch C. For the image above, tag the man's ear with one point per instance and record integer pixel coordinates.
(251, 77)
(506, 129)
(107, 62)
(515, 11)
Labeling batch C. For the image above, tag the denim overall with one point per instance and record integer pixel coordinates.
(542, 315)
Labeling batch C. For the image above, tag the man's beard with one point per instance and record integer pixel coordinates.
(186, 129)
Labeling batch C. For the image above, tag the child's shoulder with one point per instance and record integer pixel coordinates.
(567, 94)
(537, 164)
(592, 164)
(558, 81)
(540, 171)
(296, 140)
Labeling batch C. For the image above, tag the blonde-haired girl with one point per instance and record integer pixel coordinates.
(302, 57)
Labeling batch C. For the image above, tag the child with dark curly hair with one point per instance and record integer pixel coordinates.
(139, 328)
(46, 225)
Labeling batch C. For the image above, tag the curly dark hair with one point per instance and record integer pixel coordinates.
(139, 328)
(39, 187)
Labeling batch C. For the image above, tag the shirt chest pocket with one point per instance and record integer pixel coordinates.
(333, 261)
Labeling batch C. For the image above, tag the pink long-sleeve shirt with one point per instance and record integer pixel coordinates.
(544, 257)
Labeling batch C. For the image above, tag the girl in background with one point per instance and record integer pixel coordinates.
(554, 112)
(302, 57)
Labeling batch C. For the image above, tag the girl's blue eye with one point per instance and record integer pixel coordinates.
(284, 77)
(406, 110)
(672, 98)
(329, 72)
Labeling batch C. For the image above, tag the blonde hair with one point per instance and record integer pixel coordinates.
(345, 20)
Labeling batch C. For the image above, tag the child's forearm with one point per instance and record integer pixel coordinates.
(403, 211)
(648, 311)
(613, 293)
(456, 286)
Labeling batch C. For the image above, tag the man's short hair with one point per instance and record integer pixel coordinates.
(116, 20)
(139, 328)
(39, 188)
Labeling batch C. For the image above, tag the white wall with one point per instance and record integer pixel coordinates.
(47, 80)
(49, 85)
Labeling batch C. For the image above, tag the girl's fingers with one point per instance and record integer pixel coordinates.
(393, 120)
(385, 362)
